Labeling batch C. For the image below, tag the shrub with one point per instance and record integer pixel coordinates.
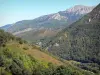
(25, 48)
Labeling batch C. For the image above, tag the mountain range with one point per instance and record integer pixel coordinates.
(48, 25)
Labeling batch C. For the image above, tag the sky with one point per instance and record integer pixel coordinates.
(12, 11)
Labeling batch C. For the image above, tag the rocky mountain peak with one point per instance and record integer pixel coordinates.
(57, 16)
(80, 9)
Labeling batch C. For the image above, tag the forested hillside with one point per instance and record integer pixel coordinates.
(17, 57)
(80, 41)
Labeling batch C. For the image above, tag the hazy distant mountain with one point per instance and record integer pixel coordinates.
(6, 27)
(52, 22)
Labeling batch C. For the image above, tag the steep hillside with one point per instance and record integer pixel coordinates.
(33, 51)
(80, 41)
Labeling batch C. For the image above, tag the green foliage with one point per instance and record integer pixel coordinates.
(1, 61)
(4, 72)
(91, 67)
(4, 37)
(21, 41)
(65, 70)
(62, 70)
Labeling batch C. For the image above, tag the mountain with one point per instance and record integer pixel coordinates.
(5, 27)
(17, 57)
(80, 41)
(55, 20)
(52, 22)
(80, 9)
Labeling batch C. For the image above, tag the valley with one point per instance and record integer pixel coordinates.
(62, 43)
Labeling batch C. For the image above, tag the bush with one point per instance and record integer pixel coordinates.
(62, 70)
(1, 61)
(15, 69)
(25, 48)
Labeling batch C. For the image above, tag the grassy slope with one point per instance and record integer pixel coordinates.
(24, 57)
(34, 52)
